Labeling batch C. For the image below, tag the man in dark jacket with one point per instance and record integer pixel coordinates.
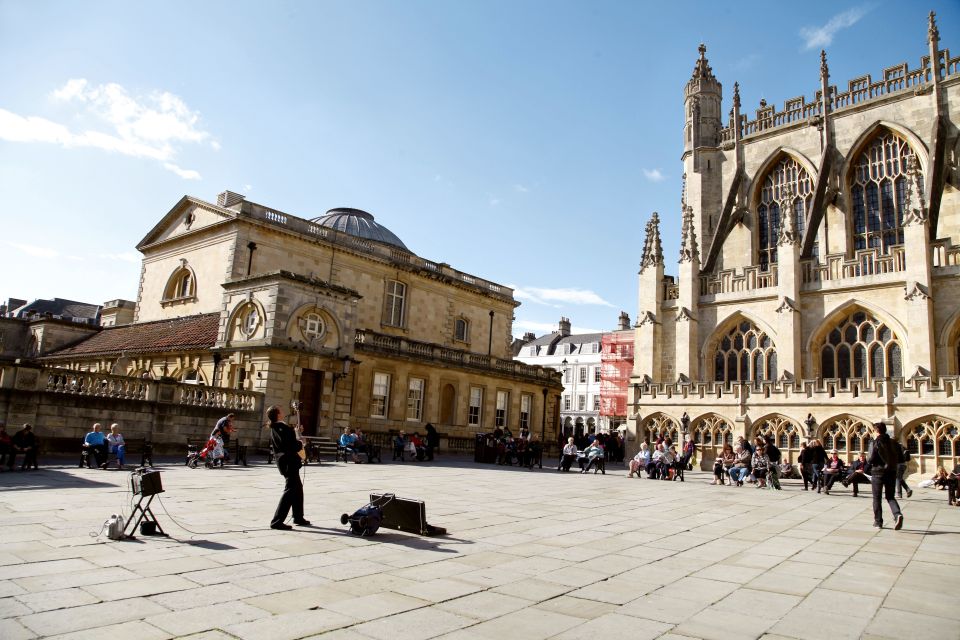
(883, 459)
(287, 448)
(773, 453)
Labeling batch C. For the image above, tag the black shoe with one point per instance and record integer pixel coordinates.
(878, 524)
(899, 524)
(281, 526)
(302, 522)
(909, 493)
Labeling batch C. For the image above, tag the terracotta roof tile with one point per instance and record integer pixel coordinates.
(190, 333)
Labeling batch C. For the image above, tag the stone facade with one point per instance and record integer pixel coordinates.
(818, 286)
(357, 331)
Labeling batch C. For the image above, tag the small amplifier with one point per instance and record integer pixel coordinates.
(146, 482)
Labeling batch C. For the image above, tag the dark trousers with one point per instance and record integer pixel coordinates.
(6, 455)
(29, 458)
(816, 475)
(99, 452)
(885, 484)
(901, 483)
(292, 497)
(566, 461)
(829, 479)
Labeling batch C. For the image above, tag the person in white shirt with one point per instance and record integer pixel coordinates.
(116, 444)
(569, 455)
(640, 461)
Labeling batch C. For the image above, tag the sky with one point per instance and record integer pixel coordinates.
(524, 142)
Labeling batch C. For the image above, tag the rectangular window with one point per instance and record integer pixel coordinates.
(460, 330)
(583, 375)
(596, 374)
(566, 403)
(526, 402)
(581, 403)
(503, 403)
(476, 402)
(596, 402)
(394, 303)
(595, 347)
(381, 395)
(415, 399)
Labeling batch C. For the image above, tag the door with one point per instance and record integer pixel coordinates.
(448, 400)
(311, 388)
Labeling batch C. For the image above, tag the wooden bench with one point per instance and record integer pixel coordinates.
(132, 446)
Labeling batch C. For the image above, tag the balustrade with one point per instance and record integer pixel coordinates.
(730, 281)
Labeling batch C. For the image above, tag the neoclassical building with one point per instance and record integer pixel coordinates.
(334, 312)
(819, 272)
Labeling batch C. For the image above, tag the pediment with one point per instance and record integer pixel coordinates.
(189, 214)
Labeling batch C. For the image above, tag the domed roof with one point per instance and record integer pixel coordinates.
(360, 224)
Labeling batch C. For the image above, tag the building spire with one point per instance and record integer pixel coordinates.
(933, 34)
(824, 69)
(736, 94)
(702, 69)
(652, 249)
(689, 250)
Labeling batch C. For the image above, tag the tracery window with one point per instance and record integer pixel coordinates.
(861, 346)
(879, 193)
(774, 205)
(849, 436)
(710, 434)
(745, 353)
(935, 442)
(656, 425)
(786, 435)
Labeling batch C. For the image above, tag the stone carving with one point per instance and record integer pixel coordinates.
(684, 315)
(702, 69)
(652, 249)
(689, 250)
(933, 34)
(916, 208)
(916, 291)
(647, 318)
(787, 306)
(824, 69)
(788, 225)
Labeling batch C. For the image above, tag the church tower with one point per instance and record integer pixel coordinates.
(702, 156)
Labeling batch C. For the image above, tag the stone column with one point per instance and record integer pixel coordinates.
(687, 335)
(789, 354)
(646, 362)
(920, 348)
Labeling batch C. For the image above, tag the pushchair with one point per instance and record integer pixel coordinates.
(194, 456)
(366, 520)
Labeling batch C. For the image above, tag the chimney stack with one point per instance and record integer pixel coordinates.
(624, 322)
(564, 327)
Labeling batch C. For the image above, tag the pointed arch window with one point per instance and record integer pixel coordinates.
(860, 347)
(879, 191)
(774, 205)
(745, 353)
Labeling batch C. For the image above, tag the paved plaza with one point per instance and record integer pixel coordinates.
(530, 554)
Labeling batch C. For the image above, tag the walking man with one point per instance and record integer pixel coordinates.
(884, 458)
(287, 447)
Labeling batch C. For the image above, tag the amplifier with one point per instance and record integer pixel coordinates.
(146, 483)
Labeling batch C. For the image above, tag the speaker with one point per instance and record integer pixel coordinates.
(146, 483)
(405, 514)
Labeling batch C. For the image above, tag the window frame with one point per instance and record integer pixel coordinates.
(395, 304)
(526, 408)
(415, 399)
(475, 407)
(501, 408)
(380, 400)
(464, 335)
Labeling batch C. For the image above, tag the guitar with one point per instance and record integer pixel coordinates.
(295, 408)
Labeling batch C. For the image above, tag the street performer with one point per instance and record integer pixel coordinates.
(287, 448)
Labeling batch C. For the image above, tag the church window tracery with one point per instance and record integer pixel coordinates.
(710, 433)
(777, 201)
(786, 435)
(862, 347)
(879, 192)
(934, 442)
(849, 436)
(745, 353)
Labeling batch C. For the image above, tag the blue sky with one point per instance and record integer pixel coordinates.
(523, 142)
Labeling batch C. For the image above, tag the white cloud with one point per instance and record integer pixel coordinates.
(558, 297)
(494, 202)
(519, 188)
(150, 126)
(35, 251)
(822, 36)
(247, 188)
(654, 175)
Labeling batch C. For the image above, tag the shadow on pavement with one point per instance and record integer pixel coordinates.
(46, 478)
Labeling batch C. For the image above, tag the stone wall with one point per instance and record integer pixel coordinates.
(60, 403)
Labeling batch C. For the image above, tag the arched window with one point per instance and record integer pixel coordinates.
(181, 285)
(656, 425)
(879, 191)
(248, 320)
(849, 436)
(934, 442)
(786, 435)
(862, 347)
(461, 330)
(776, 201)
(710, 433)
(745, 353)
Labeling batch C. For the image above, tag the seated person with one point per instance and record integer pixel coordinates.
(859, 474)
(568, 455)
(116, 444)
(95, 443)
(25, 442)
(590, 456)
(741, 465)
(364, 446)
(787, 470)
(416, 446)
(689, 449)
(640, 461)
(399, 445)
(653, 467)
(533, 451)
(948, 481)
(507, 451)
(6, 448)
(667, 462)
(760, 463)
(721, 466)
(349, 443)
(831, 471)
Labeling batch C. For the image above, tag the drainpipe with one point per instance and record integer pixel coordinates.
(253, 247)
(490, 339)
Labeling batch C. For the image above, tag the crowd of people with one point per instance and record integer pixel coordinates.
(523, 449)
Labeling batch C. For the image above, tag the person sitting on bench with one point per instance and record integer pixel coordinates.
(859, 474)
(569, 454)
(349, 443)
(95, 443)
(116, 444)
(590, 456)
(832, 470)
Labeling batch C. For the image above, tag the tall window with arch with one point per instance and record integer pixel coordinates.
(860, 346)
(878, 192)
(745, 353)
(777, 200)
(181, 284)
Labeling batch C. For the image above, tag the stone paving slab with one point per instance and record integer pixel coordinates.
(530, 554)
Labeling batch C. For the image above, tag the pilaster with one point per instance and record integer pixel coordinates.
(647, 342)
(789, 355)
(921, 350)
(687, 347)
